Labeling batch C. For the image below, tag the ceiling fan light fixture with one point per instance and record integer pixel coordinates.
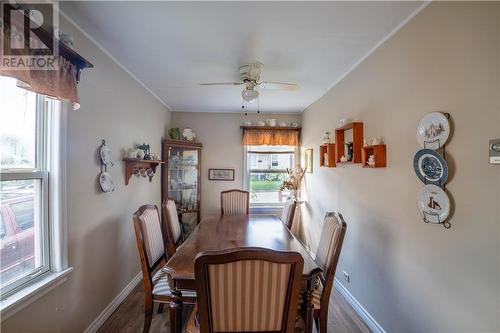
(249, 95)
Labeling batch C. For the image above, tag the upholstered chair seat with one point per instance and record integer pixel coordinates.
(248, 290)
(162, 288)
(327, 257)
(152, 242)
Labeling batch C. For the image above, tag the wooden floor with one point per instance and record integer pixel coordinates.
(129, 316)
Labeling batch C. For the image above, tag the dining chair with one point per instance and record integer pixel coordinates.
(248, 290)
(151, 241)
(327, 257)
(289, 212)
(173, 226)
(234, 202)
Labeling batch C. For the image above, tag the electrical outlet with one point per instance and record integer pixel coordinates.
(346, 276)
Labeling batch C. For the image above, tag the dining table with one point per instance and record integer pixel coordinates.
(224, 232)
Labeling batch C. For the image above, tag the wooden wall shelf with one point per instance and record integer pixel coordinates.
(327, 160)
(357, 140)
(133, 163)
(379, 153)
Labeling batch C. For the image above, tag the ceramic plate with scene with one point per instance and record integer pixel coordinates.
(433, 130)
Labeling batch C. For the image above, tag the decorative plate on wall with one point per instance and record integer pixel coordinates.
(433, 130)
(106, 182)
(430, 167)
(106, 154)
(433, 204)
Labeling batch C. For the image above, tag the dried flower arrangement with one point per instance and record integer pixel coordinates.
(293, 180)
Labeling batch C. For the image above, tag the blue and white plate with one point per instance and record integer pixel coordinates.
(430, 167)
(433, 204)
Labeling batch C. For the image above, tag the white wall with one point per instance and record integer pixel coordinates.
(102, 247)
(410, 276)
(220, 134)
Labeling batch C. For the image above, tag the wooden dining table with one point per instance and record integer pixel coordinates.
(236, 231)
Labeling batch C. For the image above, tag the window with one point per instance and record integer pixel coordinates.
(266, 168)
(25, 124)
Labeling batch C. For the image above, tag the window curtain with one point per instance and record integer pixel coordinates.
(58, 81)
(271, 137)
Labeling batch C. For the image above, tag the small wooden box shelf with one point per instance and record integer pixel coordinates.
(133, 163)
(379, 153)
(329, 160)
(357, 141)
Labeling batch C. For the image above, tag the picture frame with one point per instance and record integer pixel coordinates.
(308, 160)
(221, 174)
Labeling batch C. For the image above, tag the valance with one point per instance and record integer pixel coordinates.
(36, 69)
(270, 136)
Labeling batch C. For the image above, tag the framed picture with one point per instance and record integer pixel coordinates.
(308, 160)
(221, 174)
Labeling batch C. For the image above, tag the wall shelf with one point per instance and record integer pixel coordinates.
(132, 163)
(379, 153)
(357, 141)
(327, 155)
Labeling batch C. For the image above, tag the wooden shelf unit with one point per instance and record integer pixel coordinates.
(379, 153)
(357, 141)
(134, 163)
(329, 150)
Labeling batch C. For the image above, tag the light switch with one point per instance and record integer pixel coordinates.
(495, 151)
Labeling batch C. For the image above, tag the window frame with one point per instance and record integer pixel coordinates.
(50, 167)
(247, 172)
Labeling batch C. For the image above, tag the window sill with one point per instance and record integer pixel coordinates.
(31, 293)
(266, 209)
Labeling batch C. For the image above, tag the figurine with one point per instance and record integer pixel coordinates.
(146, 149)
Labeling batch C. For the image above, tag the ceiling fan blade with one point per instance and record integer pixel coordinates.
(221, 84)
(278, 86)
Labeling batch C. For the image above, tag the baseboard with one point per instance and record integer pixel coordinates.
(108, 311)
(360, 310)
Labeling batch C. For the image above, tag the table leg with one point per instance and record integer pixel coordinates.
(176, 313)
(308, 310)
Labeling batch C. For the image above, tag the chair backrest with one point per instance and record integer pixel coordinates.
(248, 290)
(328, 253)
(172, 225)
(150, 238)
(234, 202)
(289, 212)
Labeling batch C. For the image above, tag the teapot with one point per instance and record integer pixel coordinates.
(271, 122)
(188, 134)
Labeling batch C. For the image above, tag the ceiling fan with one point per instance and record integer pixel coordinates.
(250, 79)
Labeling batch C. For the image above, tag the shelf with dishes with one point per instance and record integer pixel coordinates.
(140, 168)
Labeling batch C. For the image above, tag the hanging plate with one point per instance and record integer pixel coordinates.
(433, 204)
(433, 130)
(106, 182)
(430, 167)
(106, 155)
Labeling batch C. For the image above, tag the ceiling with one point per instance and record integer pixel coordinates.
(171, 47)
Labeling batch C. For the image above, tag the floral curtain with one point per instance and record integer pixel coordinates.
(49, 75)
(271, 137)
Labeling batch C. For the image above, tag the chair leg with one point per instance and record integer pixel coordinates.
(323, 322)
(148, 313)
(160, 307)
(316, 321)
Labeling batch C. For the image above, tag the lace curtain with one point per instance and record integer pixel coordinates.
(271, 137)
(57, 80)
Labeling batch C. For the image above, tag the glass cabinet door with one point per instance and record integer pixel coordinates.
(182, 184)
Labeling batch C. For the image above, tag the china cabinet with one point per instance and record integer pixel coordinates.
(181, 176)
